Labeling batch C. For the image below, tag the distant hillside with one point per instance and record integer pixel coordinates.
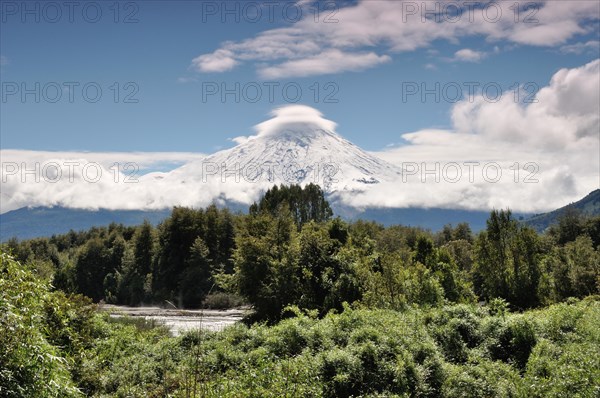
(588, 206)
(34, 222)
(433, 219)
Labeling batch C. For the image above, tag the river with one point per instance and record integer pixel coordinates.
(180, 321)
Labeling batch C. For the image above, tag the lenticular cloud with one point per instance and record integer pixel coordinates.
(288, 116)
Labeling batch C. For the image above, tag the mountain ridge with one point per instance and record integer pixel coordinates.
(588, 206)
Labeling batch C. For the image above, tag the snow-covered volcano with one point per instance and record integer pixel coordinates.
(296, 146)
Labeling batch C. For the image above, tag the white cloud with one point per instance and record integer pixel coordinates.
(592, 46)
(311, 47)
(218, 61)
(327, 62)
(559, 133)
(468, 55)
(91, 180)
(287, 116)
(557, 21)
(187, 80)
(239, 140)
(144, 160)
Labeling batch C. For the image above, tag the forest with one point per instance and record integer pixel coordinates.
(339, 309)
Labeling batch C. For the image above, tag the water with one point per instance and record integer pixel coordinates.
(180, 321)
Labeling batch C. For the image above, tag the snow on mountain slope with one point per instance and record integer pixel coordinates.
(296, 146)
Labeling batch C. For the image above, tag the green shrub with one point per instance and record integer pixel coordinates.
(569, 371)
(222, 301)
(482, 380)
(457, 329)
(30, 366)
(340, 370)
(511, 340)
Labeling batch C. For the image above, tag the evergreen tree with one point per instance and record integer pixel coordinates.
(266, 262)
(91, 269)
(196, 281)
(143, 243)
(176, 235)
(570, 225)
(304, 204)
(507, 261)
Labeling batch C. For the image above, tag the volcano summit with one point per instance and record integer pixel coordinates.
(296, 146)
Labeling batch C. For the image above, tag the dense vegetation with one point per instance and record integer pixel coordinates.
(349, 309)
(55, 345)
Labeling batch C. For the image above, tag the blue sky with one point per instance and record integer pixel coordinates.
(156, 52)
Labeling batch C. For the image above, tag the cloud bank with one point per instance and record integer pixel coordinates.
(559, 133)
